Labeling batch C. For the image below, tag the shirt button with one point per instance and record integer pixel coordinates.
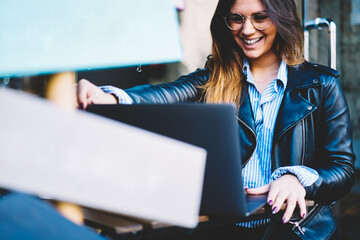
(309, 108)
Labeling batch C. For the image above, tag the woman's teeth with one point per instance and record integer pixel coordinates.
(252, 41)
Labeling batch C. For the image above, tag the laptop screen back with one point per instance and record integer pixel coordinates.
(210, 126)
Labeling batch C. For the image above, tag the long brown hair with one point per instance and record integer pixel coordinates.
(226, 63)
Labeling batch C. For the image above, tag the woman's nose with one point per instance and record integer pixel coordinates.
(248, 28)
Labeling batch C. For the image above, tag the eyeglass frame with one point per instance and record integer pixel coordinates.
(245, 17)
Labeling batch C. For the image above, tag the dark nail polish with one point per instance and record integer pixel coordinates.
(304, 215)
(284, 221)
(274, 210)
(270, 202)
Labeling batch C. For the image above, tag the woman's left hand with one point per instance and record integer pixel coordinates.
(286, 188)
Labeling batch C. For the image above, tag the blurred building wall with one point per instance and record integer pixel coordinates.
(195, 37)
(346, 15)
(195, 31)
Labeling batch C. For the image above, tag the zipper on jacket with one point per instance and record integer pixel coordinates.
(303, 143)
(297, 225)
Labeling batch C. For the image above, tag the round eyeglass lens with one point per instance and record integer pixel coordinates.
(235, 21)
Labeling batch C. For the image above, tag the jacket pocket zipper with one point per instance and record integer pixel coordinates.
(297, 225)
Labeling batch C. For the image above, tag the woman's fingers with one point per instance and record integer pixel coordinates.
(82, 92)
(302, 207)
(278, 202)
(272, 196)
(287, 189)
(291, 204)
(259, 190)
(88, 93)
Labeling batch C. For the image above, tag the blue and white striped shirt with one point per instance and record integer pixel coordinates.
(121, 95)
(257, 171)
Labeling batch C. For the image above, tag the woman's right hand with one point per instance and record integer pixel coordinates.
(88, 93)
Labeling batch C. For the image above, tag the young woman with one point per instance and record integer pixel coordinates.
(294, 122)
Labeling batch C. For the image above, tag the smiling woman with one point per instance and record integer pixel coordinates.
(255, 38)
(294, 125)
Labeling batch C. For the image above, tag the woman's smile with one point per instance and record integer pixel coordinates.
(251, 43)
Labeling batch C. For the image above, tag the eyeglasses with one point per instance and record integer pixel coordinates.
(235, 21)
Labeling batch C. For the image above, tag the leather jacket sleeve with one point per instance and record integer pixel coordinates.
(184, 89)
(334, 157)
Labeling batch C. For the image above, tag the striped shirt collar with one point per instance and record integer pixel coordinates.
(282, 74)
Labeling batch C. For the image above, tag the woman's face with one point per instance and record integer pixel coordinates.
(254, 43)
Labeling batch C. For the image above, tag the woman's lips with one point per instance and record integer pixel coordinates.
(251, 43)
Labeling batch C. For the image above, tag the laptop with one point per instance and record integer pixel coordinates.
(211, 126)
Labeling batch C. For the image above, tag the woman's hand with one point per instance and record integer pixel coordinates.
(87, 93)
(286, 188)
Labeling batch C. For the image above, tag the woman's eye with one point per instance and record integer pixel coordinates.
(260, 17)
(237, 18)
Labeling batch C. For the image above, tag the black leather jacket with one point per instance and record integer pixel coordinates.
(312, 127)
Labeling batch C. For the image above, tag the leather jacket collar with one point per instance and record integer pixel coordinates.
(293, 108)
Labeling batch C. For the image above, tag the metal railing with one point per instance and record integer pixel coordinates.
(320, 23)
